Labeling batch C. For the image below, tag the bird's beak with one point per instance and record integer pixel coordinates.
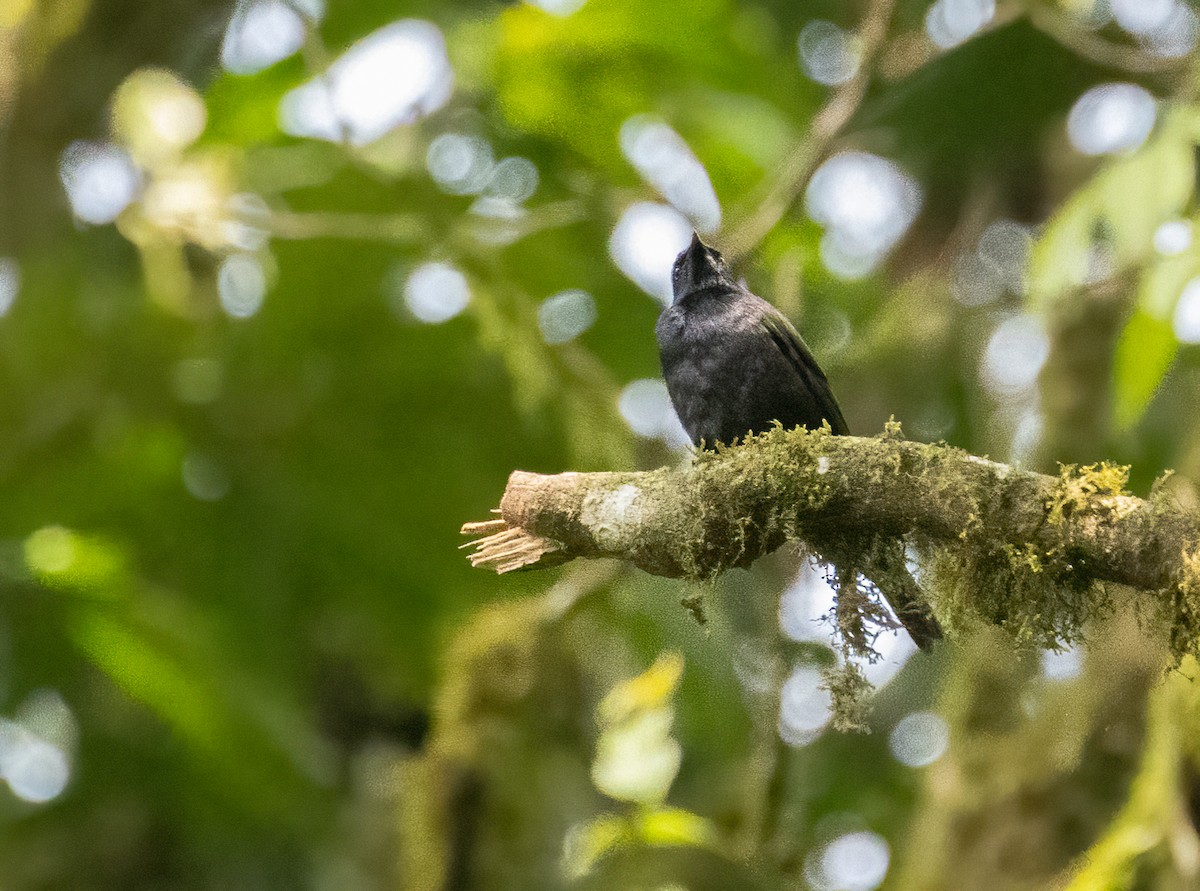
(696, 269)
(697, 258)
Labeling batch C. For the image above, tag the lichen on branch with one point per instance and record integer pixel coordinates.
(1028, 551)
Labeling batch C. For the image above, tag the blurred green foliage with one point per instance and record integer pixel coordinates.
(229, 586)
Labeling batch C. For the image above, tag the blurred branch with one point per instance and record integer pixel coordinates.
(826, 125)
(391, 228)
(1016, 802)
(409, 228)
(1074, 36)
(727, 509)
(317, 57)
(1076, 382)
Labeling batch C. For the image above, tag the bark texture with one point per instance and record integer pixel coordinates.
(728, 508)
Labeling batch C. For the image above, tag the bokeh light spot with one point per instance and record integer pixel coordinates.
(646, 407)
(804, 609)
(1028, 433)
(100, 180)
(391, 77)
(866, 204)
(667, 163)
(10, 283)
(951, 22)
(247, 224)
(241, 285)
(1062, 665)
(973, 282)
(646, 241)
(35, 769)
(156, 115)
(263, 32)
(1173, 237)
(805, 706)
(46, 713)
(857, 861)
(50, 550)
(436, 292)
(566, 315)
(1177, 35)
(828, 54)
(844, 258)
(895, 648)
(1111, 118)
(996, 265)
(919, 739)
(558, 7)
(502, 218)
(1187, 313)
(805, 605)
(1004, 248)
(460, 164)
(204, 478)
(1142, 17)
(514, 180)
(1014, 356)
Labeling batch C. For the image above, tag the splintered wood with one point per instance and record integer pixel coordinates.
(506, 548)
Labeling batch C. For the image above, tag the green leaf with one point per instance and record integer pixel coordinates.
(637, 760)
(66, 561)
(660, 827)
(1120, 208)
(651, 690)
(586, 844)
(1145, 351)
(148, 674)
(576, 79)
(1163, 283)
(675, 827)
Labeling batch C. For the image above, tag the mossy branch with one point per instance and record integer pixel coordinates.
(730, 507)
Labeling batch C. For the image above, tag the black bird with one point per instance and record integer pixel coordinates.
(733, 363)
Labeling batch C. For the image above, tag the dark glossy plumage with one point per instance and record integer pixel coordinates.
(733, 363)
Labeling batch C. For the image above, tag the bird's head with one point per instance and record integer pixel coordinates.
(699, 267)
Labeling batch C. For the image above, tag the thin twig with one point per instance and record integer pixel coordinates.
(1082, 42)
(403, 229)
(391, 228)
(825, 126)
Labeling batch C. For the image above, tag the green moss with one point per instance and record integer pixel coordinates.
(1178, 607)
(694, 604)
(1038, 598)
(1034, 591)
(1078, 487)
(859, 612)
(734, 501)
(1160, 492)
(747, 500)
(850, 692)
(892, 430)
(1184, 606)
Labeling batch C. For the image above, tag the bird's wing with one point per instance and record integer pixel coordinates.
(796, 351)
